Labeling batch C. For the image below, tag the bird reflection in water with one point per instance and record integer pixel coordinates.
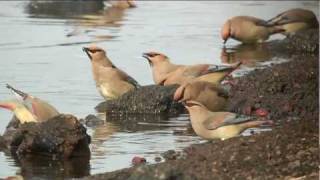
(249, 55)
(46, 167)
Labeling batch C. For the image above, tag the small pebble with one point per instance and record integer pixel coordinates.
(138, 160)
(261, 112)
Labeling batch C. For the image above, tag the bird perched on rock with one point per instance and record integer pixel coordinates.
(165, 73)
(41, 109)
(19, 110)
(295, 20)
(248, 29)
(219, 125)
(111, 81)
(211, 96)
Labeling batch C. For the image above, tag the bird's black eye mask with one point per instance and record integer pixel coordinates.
(88, 51)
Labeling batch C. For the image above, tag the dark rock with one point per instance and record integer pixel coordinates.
(152, 99)
(170, 155)
(62, 137)
(92, 121)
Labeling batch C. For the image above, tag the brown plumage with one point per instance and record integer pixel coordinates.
(123, 4)
(208, 94)
(295, 20)
(41, 109)
(219, 125)
(21, 111)
(248, 29)
(165, 73)
(111, 81)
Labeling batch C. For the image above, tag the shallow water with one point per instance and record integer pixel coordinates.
(41, 53)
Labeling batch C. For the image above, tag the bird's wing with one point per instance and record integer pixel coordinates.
(133, 82)
(124, 76)
(220, 119)
(218, 68)
(290, 17)
(223, 68)
(43, 110)
(109, 73)
(195, 70)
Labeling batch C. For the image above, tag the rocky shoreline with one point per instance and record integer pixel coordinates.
(288, 92)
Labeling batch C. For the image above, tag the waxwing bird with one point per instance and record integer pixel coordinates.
(160, 65)
(19, 110)
(248, 29)
(38, 107)
(295, 20)
(165, 73)
(123, 4)
(219, 125)
(111, 81)
(211, 96)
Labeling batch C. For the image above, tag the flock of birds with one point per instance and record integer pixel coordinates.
(200, 88)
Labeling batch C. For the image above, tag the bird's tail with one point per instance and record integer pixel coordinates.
(257, 123)
(223, 68)
(21, 94)
(274, 21)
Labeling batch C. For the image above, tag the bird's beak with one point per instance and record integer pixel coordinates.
(20, 93)
(146, 55)
(87, 51)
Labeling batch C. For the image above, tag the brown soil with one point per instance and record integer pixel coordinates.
(289, 93)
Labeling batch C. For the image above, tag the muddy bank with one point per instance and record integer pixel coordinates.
(289, 93)
(291, 151)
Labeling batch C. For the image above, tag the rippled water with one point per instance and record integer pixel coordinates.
(40, 52)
